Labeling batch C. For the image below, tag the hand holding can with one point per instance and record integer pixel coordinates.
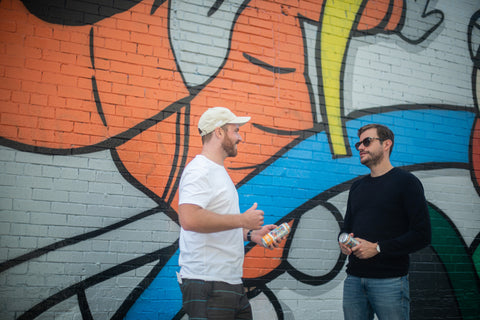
(279, 232)
(347, 240)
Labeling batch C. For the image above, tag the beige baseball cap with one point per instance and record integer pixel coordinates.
(217, 117)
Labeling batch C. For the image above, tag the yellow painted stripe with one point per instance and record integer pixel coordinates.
(337, 24)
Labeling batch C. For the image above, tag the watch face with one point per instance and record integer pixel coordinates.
(378, 248)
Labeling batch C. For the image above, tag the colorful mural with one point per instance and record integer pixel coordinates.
(99, 105)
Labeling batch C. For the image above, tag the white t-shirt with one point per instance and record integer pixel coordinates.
(216, 256)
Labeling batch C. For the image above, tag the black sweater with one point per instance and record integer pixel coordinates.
(391, 210)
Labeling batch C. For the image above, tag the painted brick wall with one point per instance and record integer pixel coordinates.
(99, 103)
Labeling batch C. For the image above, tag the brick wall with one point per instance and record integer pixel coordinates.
(98, 111)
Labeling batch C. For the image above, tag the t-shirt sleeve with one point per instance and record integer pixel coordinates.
(194, 188)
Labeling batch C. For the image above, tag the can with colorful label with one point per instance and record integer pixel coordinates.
(277, 233)
(347, 240)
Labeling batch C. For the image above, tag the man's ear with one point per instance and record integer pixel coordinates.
(219, 132)
(388, 143)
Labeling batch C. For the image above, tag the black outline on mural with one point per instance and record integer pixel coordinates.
(194, 90)
(424, 15)
(475, 56)
(156, 4)
(316, 121)
(68, 13)
(285, 266)
(79, 238)
(266, 66)
(380, 27)
(163, 255)
(109, 143)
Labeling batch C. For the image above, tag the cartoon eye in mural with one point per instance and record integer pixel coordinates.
(131, 80)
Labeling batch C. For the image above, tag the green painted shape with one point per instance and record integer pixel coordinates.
(461, 271)
(476, 260)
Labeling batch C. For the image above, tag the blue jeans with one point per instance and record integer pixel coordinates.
(388, 298)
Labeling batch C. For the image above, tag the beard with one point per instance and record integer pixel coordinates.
(372, 160)
(229, 147)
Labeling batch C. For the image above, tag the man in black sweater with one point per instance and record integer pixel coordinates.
(388, 215)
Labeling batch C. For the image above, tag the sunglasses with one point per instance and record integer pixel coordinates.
(366, 142)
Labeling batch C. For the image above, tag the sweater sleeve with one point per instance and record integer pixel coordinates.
(347, 221)
(415, 207)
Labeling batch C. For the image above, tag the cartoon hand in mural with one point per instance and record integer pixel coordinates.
(416, 11)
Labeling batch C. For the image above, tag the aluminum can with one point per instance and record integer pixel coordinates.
(277, 233)
(347, 240)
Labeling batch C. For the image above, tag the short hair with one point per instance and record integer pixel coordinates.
(383, 132)
(208, 136)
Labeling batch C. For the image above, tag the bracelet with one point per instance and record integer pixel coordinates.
(249, 235)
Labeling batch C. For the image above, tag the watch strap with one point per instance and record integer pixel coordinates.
(249, 235)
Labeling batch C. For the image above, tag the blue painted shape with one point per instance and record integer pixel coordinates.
(422, 136)
(321, 172)
(162, 299)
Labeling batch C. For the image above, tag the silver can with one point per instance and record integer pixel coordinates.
(347, 240)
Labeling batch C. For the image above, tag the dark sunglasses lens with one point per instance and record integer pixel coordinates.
(365, 142)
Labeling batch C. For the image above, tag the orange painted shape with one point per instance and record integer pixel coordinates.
(396, 15)
(46, 70)
(149, 158)
(373, 14)
(475, 156)
(48, 66)
(134, 67)
(260, 261)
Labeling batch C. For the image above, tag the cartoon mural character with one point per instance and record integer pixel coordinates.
(473, 40)
(130, 92)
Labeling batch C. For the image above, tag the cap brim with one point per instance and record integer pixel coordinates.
(240, 120)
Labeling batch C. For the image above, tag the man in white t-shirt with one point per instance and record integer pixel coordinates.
(213, 230)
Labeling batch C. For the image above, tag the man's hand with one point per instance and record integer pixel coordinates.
(345, 249)
(257, 236)
(253, 218)
(365, 249)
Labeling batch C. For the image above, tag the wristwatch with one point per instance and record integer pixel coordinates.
(378, 248)
(249, 236)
